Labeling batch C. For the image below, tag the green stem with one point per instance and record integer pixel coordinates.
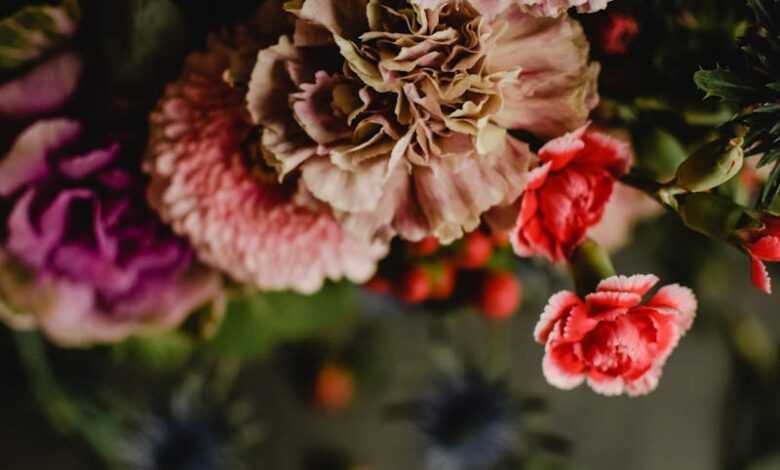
(66, 416)
(590, 265)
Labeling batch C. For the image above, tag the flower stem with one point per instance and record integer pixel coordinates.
(65, 415)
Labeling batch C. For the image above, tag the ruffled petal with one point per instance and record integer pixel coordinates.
(44, 89)
(766, 248)
(562, 367)
(604, 384)
(557, 87)
(676, 300)
(645, 384)
(638, 284)
(557, 307)
(27, 159)
(760, 275)
(600, 301)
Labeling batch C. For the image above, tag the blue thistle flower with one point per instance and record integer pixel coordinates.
(468, 423)
(187, 435)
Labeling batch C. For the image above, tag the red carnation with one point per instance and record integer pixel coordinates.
(613, 339)
(567, 193)
(764, 246)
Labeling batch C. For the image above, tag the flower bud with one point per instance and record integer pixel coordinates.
(712, 165)
(590, 265)
(715, 216)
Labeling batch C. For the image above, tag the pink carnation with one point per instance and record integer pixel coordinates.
(567, 193)
(764, 246)
(397, 114)
(210, 186)
(558, 7)
(613, 339)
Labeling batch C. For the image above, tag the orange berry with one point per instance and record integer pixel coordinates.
(476, 252)
(500, 297)
(334, 388)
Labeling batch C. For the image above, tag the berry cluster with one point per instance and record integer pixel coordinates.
(426, 273)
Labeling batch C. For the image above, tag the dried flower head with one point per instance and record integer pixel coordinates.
(395, 113)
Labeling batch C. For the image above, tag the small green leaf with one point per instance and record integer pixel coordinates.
(725, 84)
(254, 324)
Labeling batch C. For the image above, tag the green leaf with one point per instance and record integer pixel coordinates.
(725, 84)
(658, 152)
(162, 352)
(256, 323)
(34, 30)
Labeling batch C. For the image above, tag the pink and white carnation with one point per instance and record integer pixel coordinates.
(396, 114)
(211, 183)
(614, 339)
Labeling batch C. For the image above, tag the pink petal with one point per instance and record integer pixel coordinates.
(644, 384)
(557, 307)
(538, 176)
(760, 276)
(562, 367)
(766, 248)
(638, 284)
(605, 151)
(44, 89)
(681, 300)
(578, 323)
(528, 209)
(559, 152)
(599, 301)
(605, 384)
(27, 159)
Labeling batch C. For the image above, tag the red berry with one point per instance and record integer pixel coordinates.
(444, 282)
(500, 239)
(334, 388)
(617, 32)
(414, 287)
(500, 296)
(379, 285)
(425, 247)
(477, 250)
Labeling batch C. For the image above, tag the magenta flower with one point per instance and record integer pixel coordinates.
(614, 339)
(99, 264)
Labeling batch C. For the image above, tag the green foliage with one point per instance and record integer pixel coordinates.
(658, 152)
(753, 84)
(33, 31)
(163, 352)
(726, 85)
(256, 323)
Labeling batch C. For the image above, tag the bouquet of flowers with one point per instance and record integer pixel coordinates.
(207, 186)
